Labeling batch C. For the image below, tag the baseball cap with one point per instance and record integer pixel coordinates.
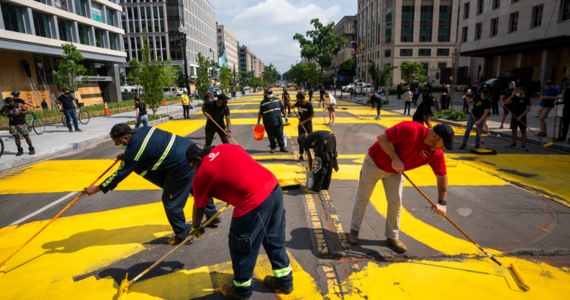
(121, 129)
(223, 97)
(196, 150)
(269, 91)
(446, 133)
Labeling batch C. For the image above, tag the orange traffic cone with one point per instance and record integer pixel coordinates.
(106, 110)
(163, 102)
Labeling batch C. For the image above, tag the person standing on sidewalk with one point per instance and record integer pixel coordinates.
(480, 113)
(306, 116)
(217, 111)
(399, 88)
(408, 96)
(506, 94)
(520, 106)
(565, 115)
(550, 93)
(66, 103)
(403, 147)
(141, 116)
(185, 105)
(271, 109)
(17, 123)
(443, 97)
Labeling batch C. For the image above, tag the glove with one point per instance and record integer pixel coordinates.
(257, 122)
(198, 232)
(286, 119)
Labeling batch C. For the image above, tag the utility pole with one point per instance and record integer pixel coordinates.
(454, 68)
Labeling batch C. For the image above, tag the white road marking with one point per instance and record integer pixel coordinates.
(464, 211)
(44, 208)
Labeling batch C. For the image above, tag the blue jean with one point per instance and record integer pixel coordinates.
(408, 106)
(465, 106)
(142, 119)
(70, 113)
(378, 108)
(447, 102)
(470, 124)
(264, 225)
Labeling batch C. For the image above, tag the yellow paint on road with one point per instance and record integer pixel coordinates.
(182, 127)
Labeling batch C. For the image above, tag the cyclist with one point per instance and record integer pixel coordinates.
(17, 114)
(67, 105)
(16, 97)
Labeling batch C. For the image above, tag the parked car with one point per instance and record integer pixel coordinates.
(502, 81)
(363, 88)
(173, 91)
(346, 88)
(130, 88)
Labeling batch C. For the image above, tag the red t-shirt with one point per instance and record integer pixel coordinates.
(229, 174)
(408, 139)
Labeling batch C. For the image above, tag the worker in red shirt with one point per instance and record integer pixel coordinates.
(403, 147)
(228, 173)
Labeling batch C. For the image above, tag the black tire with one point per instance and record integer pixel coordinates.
(38, 126)
(1, 147)
(84, 117)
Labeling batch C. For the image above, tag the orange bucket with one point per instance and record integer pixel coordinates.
(258, 131)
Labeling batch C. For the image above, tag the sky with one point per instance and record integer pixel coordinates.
(267, 27)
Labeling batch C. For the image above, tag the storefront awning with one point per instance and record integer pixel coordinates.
(534, 45)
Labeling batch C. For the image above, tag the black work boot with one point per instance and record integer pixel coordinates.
(20, 151)
(272, 151)
(32, 150)
(271, 282)
(229, 291)
(284, 150)
(300, 158)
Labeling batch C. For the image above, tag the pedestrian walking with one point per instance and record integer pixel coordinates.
(399, 89)
(159, 157)
(352, 94)
(306, 115)
(311, 91)
(16, 113)
(230, 174)
(185, 105)
(217, 111)
(550, 94)
(271, 109)
(141, 114)
(243, 91)
(506, 109)
(480, 113)
(331, 107)
(323, 143)
(321, 93)
(408, 96)
(423, 112)
(520, 106)
(67, 105)
(405, 146)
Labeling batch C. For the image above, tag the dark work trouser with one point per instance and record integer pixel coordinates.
(211, 130)
(300, 130)
(186, 109)
(565, 123)
(275, 135)
(323, 167)
(495, 103)
(264, 225)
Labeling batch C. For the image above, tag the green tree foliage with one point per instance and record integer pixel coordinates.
(243, 76)
(171, 74)
(225, 77)
(347, 69)
(134, 72)
(380, 77)
(122, 78)
(203, 81)
(411, 72)
(322, 44)
(296, 73)
(181, 80)
(152, 80)
(310, 73)
(69, 68)
(279, 77)
(270, 74)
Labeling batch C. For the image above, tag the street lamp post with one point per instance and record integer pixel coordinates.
(184, 31)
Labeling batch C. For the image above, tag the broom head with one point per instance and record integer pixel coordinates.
(483, 151)
(547, 145)
(124, 288)
(518, 277)
(289, 183)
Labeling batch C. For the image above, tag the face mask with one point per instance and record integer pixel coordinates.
(122, 147)
(517, 94)
(484, 97)
(513, 86)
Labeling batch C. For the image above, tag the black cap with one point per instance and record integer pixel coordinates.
(300, 95)
(269, 91)
(122, 129)
(223, 97)
(9, 99)
(486, 92)
(196, 150)
(446, 133)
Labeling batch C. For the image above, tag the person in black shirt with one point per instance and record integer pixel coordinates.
(520, 106)
(215, 111)
(426, 92)
(44, 105)
(66, 103)
(496, 87)
(506, 94)
(306, 114)
(467, 92)
(480, 112)
(311, 91)
(423, 112)
(142, 116)
(16, 97)
(324, 144)
(17, 114)
(399, 88)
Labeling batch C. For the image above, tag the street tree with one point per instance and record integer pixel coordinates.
(134, 72)
(171, 74)
(347, 69)
(225, 77)
(202, 80)
(310, 73)
(152, 80)
(270, 74)
(70, 68)
(411, 72)
(296, 73)
(181, 80)
(380, 76)
(321, 44)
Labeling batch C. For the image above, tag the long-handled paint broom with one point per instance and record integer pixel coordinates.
(126, 284)
(224, 132)
(514, 270)
(481, 150)
(542, 143)
(3, 264)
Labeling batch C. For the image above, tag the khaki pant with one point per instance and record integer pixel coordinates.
(393, 185)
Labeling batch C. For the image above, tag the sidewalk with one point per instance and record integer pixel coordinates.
(57, 139)
(493, 122)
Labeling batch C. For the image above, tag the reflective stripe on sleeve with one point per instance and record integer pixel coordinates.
(165, 153)
(141, 150)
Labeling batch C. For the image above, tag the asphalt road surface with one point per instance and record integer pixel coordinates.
(515, 204)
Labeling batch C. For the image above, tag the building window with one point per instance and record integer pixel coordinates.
(388, 37)
(99, 38)
(513, 22)
(442, 52)
(12, 15)
(64, 30)
(407, 32)
(425, 69)
(41, 24)
(536, 16)
(387, 53)
(110, 19)
(496, 4)
(444, 29)
(478, 30)
(466, 10)
(424, 52)
(80, 7)
(406, 52)
(480, 6)
(494, 26)
(464, 34)
(441, 65)
(565, 10)
(83, 31)
(426, 21)
(113, 41)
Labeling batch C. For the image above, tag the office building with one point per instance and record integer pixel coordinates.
(228, 46)
(525, 40)
(30, 46)
(409, 30)
(345, 28)
(246, 59)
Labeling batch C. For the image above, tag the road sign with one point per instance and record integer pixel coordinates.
(341, 78)
(335, 78)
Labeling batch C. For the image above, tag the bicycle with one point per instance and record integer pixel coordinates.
(1, 147)
(82, 116)
(34, 122)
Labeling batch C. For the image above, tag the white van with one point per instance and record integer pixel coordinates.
(173, 91)
(363, 88)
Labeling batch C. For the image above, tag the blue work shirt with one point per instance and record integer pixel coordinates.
(149, 152)
(271, 111)
(552, 92)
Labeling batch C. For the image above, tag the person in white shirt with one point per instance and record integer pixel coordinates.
(408, 97)
(331, 106)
